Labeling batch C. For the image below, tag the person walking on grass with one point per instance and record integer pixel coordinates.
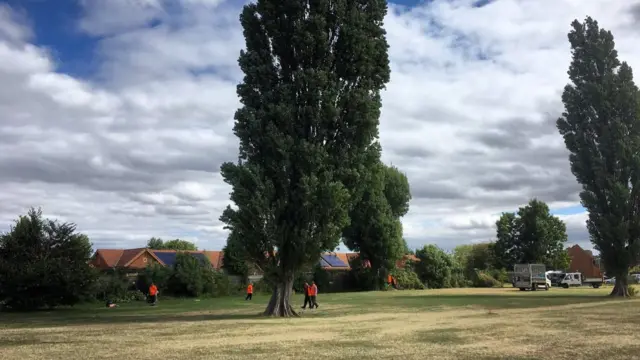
(312, 294)
(153, 294)
(249, 292)
(307, 298)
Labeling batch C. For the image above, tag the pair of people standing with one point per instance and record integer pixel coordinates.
(310, 294)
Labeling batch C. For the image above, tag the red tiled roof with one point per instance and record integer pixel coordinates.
(110, 257)
(128, 255)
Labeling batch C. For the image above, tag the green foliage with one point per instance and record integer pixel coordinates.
(116, 287)
(435, 267)
(533, 235)
(397, 191)
(474, 256)
(375, 230)
(484, 279)
(307, 128)
(44, 264)
(601, 130)
(188, 277)
(407, 279)
(235, 256)
(322, 278)
(362, 278)
(176, 244)
(156, 274)
(633, 291)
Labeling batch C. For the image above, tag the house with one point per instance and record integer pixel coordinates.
(584, 262)
(137, 259)
(140, 258)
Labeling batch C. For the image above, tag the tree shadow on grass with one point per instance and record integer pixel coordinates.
(495, 301)
(65, 318)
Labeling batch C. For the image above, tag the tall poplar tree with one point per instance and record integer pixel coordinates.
(308, 129)
(601, 130)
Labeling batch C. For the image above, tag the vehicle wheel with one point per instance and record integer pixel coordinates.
(546, 287)
(566, 286)
(522, 289)
(534, 287)
(595, 286)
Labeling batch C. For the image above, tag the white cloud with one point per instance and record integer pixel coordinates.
(469, 116)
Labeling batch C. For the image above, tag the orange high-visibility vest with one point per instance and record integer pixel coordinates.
(250, 289)
(153, 290)
(313, 290)
(389, 279)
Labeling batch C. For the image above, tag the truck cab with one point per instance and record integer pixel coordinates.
(577, 279)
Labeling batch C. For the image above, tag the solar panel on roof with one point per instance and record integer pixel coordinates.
(169, 258)
(334, 261)
(323, 263)
(200, 256)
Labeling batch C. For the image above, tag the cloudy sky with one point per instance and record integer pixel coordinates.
(116, 114)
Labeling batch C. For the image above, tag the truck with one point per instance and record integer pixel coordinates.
(579, 279)
(530, 276)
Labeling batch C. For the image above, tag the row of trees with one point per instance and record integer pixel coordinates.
(44, 263)
(309, 167)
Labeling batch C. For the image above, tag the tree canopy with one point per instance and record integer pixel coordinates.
(532, 235)
(435, 267)
(308, 129)
(601, 129)
(44, 263)
(375, 230)
(176, 244)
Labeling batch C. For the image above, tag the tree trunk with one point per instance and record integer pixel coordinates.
(279, 304)
(621, 288)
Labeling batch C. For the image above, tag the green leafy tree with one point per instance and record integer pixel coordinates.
(44, 263)
(397, 191)
(155, 243)
(435, 267)
(236, 259)
(533, 235)
(375, 230)
(176, 244)
(601, 129)
(308, 129)
(472, 257)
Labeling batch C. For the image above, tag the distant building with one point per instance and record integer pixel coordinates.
(584, 262)
(137, 259)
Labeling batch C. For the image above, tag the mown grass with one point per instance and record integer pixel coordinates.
(434, 324)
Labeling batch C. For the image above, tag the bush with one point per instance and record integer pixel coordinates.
(44, 264)
(407, 279)
(113, 286)
(500, 275)
(483, 279)
(188, 277)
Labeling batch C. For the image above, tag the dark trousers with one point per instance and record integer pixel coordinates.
(153, 299)
(313, 301)
(249, 296)
(307, 300)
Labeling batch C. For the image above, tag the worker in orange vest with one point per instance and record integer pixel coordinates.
(313, 292)
(153, 294)
(249, 291)
(307, 298)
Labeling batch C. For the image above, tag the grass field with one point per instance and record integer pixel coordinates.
(478, 324)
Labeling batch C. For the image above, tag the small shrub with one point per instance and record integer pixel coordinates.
(116, 287)
(483, 279)
(407, 279)
(633, 291)
(500, 275)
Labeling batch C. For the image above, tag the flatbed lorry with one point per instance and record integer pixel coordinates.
(530, 276)
(578, 279)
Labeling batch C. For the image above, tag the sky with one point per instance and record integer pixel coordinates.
(116, 114)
